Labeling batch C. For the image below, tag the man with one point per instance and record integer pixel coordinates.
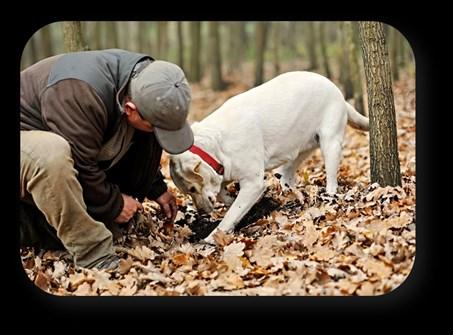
(93, 126)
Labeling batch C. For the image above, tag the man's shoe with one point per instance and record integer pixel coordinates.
(108, 263)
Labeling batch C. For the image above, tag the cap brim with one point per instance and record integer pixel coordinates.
(175, 141)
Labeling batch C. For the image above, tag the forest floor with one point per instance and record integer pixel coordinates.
(302, 242)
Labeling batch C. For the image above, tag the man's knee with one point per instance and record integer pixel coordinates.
(59, 159)
(47, 152)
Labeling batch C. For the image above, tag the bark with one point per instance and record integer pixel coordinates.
(385, 165)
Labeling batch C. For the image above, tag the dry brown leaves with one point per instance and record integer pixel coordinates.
(361, 242)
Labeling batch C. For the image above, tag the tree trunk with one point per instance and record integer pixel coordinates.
(393, 48)
(162, 39)
(322, 43)
(237, 43)
(180, 39)
(345, 70)
(29, 53)
(143, 37)
(112, 35)
(385, 166)
(354, 69)
(73, 39)
(275, 47)
(97, 38)
(311, 46)
(260, 48)
(195, 38)
(291, 42)
(124, 35)
(402, 51)
(215, 60)
(46, 42)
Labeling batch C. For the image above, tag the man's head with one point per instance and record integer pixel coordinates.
(161, 94)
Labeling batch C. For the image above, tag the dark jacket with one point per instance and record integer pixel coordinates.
(78, 96)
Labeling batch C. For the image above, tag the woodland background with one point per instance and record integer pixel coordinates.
(359, 243)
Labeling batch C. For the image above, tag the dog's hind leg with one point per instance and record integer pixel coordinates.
(288, 171)
(331, 150)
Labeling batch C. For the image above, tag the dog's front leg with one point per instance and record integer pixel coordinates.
(225, 196)
(250, 192)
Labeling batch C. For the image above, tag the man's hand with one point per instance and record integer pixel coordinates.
(167, 202)
(129, 208)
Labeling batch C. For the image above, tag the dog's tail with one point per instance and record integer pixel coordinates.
(355, 119)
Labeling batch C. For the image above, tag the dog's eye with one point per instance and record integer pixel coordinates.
(192, 189)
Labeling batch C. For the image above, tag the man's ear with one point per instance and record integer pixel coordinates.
(129, 107)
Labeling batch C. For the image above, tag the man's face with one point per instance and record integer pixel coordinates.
(135, 119)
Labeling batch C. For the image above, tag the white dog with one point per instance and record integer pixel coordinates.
(277, 124)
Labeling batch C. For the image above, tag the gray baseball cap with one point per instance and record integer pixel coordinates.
(162, 94)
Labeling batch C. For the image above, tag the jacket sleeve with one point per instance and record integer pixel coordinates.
(158, 187)
(72, 109)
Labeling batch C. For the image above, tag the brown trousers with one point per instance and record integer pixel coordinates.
(48, 180)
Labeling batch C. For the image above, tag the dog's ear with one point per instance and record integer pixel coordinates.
(175, 176)
(196, 169)
(195, 172)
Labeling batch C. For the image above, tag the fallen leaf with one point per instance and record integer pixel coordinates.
(232, 256)
(372, 266)
(322, 253)
(311, 234)
(263, 251)
(59, 269)
(102, 283)
(221, 238)
(84, 289)
(125, 265)
(180, 259)
(229, 281)
(196, 288)
(142, 253)
(366, 289)
(42, 281)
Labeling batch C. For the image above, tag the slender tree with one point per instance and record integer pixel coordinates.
(291, 38)
(46, 41)
(276, 46)
(180, 39)
(385, 165)
(125, 35)
(143, 37)
(162, 39)
(393, 50)
(345, 66)
(260, 48)
(112, 35)
(97, 35)
(236, 45)
(195, 39)
(73, 39)
(311, 46)
(322, 44)
(403, 55)
(30, 53)
(215, 60)
(354, 69)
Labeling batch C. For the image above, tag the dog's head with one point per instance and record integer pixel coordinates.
(195, 177)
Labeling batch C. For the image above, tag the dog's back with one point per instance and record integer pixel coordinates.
(283, 116)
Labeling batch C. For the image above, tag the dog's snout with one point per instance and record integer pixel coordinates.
(211, 199)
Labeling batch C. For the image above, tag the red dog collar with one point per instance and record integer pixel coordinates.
(207, 158)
